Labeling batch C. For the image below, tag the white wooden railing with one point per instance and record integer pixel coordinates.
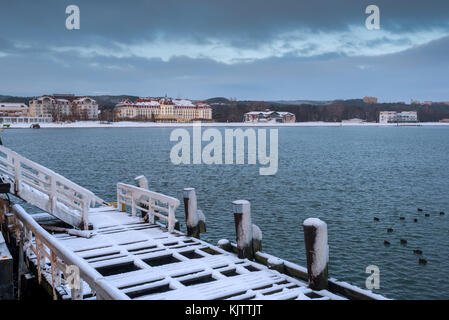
(47, 190)
(53, 258)
(153, 203)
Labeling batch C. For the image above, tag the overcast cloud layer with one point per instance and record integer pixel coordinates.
(245, 49)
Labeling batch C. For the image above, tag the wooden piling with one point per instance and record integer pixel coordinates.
(192, 214)
(315, 238)
(243, 229)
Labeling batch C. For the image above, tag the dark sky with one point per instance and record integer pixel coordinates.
(247, 49)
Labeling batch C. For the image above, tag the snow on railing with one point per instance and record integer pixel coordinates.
(47, 190)
(153, 203)
(31, 237)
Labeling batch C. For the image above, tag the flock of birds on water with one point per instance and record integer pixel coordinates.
(404, 241)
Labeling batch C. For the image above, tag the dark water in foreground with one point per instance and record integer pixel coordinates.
(345, 176)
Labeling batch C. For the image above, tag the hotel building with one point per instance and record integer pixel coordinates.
(64, 106)
(269, 116)
(163, 110)
(12, 109)
(398, 117)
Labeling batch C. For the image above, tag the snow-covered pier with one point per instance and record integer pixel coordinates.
(81, 247)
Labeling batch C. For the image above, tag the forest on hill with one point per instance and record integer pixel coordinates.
(335, 111)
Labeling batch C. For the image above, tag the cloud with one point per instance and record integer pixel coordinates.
(357, 41)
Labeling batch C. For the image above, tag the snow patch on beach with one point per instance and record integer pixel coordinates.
(131, 124)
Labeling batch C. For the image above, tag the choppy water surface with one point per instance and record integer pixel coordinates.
(345, 176)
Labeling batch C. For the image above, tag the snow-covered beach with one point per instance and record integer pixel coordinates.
(130, 124)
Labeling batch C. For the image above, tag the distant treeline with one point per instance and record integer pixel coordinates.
(229, 110)
(233, 111)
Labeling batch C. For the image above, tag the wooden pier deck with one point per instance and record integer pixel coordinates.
(146, 261)
(139, 260)
(137, 254)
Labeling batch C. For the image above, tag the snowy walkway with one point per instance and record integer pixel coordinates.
(145, 261)
(126, 256)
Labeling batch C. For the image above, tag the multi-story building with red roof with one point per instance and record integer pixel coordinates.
(163, 110)
(61, 106)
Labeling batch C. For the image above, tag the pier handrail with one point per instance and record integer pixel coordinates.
(155, 204)
(47, 190)
(46, 246)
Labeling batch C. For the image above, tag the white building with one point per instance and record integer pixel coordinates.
(408, 116)
(6, 121)
(398, 117)
(18, 113)
(163, 110)
(64, 106)
(85, 107)
(269, 116)
(12, 109)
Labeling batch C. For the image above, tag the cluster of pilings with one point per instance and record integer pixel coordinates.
(249, 244)
(249, 238)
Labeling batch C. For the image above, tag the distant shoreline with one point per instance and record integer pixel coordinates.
(129, 124)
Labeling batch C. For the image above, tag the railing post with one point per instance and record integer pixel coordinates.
(54, 271)
(120, 205)
(317, 252)
(243, 229)
(40, 258)
(16, 175)
(190, 208)
(151, 218)
(142, 182)
(133, 205)
(21, 267)
(171, 218)
(84, 214)
(52, 196)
